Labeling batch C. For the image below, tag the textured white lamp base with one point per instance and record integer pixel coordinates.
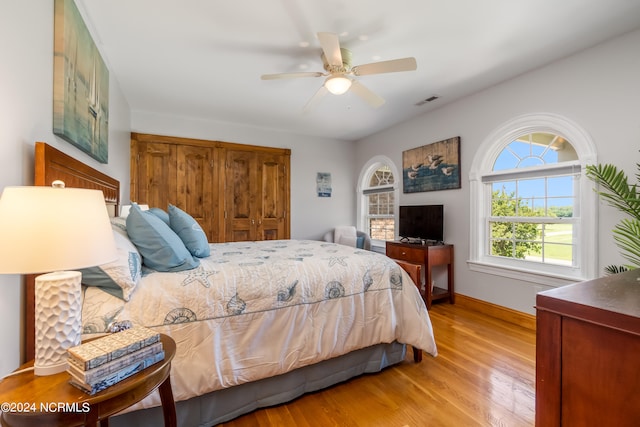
(58, 319)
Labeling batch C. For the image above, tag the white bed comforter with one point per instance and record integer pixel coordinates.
(257, 309)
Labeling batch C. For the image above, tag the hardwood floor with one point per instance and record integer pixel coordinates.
(484, 375)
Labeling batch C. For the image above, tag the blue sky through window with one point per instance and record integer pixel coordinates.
(535, 150)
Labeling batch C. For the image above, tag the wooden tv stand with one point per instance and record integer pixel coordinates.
(587, 346)
(428, 255)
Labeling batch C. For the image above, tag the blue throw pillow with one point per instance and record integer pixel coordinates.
(188, 229)
(160, 247)
(160, 214)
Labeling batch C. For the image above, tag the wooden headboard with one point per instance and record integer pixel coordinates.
(50, 165)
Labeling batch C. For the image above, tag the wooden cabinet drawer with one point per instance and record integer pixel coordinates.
(405, 253)
(440, 254)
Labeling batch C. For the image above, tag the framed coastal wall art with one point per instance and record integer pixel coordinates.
(432, 167)
(323, 184)
(80, 84)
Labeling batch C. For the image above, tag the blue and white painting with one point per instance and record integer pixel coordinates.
(432, 167)
(80, 86)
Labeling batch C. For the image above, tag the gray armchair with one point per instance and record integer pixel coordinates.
(366, 240)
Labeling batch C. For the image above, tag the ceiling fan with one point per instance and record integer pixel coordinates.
(337, 64)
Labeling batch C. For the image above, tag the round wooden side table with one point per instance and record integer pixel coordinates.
(28, 400)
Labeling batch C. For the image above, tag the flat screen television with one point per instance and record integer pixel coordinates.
(423, 222)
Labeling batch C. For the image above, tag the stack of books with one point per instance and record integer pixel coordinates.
(103, 362)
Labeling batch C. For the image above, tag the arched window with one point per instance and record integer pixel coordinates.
(533, 211)
(377, 201)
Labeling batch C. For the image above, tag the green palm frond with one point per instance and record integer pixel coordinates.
(617, 190)
(618, 193)
(615, 269)
(627, 235)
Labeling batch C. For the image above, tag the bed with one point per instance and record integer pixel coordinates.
(256, 323)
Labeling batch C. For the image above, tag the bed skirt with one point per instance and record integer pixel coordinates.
(223, 405)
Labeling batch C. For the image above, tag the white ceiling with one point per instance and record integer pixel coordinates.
(204, 58)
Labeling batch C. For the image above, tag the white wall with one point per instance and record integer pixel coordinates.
(311, 216)
(597, 88)
(26, 116)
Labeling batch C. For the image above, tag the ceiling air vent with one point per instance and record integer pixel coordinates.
(429, 99)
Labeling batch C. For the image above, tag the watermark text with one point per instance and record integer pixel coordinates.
(48, 407)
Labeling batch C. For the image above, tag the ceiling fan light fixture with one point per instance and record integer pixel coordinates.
(341, 75)
(337, 85)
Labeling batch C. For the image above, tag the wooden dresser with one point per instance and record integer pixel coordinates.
(588, 353)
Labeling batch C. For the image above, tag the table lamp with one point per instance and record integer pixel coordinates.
(49, 230)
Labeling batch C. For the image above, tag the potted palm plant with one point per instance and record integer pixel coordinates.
(618, 193)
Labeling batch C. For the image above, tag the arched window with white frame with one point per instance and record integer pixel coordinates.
(378, 200)
(533, 211)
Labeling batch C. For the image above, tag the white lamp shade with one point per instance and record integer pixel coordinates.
(337, 85)
(45, 229)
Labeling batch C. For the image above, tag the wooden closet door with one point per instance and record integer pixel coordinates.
(196, 185)
(236, 192)
(156, 177)
(240, 196)
(272, 201)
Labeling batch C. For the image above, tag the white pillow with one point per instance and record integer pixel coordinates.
(119, 277)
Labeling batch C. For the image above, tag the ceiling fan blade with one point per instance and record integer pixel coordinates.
(391, 66)
(365, 93)
(331, 48)
(291, 75)
(315, 99)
